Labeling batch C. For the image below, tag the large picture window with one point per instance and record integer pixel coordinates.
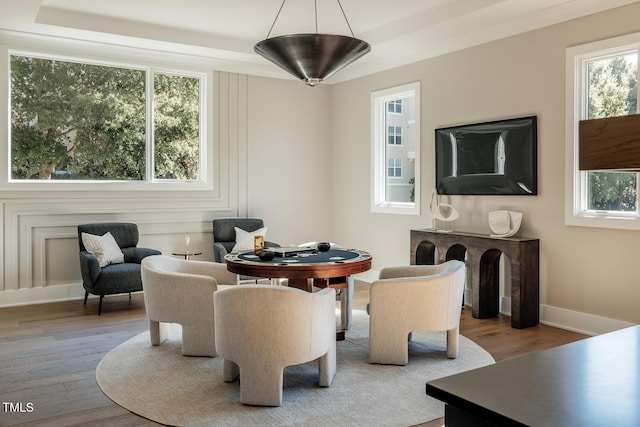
(396, 150)
(603, 82)
(80, 121)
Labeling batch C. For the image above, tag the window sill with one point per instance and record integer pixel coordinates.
(604, 220)
(401, 209)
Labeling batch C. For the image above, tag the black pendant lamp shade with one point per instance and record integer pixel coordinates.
(312, 57)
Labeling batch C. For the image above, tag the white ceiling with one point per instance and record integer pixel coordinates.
(400, 32)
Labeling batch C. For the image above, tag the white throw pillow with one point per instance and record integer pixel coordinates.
(104, 248)
(244, 239)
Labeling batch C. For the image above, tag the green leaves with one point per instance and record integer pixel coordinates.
(79, 121)
(177, 127)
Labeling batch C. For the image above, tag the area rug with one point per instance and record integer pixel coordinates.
(160, 384)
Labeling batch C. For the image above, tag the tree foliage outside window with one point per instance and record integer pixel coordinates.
(176, 127)
(612, 91)
(79, 121)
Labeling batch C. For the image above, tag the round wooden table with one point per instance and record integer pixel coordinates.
(301, 266)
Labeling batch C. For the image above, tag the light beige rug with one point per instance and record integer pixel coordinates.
(160, 384)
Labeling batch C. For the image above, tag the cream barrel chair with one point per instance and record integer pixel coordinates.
(261, 329)
(180, 291)
(410, 299)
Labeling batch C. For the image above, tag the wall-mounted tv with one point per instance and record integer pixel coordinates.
(491, 158)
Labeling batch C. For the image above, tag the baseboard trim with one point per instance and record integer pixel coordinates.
(18, 297)
(576, 321)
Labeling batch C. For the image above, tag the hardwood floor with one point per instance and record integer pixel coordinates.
(49, 352)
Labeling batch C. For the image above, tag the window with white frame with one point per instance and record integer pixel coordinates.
(395, 183)
(394, 168)
(76, 120)
(602, 81)
(394, 135)
(395, 106)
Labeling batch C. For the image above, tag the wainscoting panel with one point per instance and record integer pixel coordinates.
(40, 251)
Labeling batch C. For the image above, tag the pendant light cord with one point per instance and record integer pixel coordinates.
(345, 18)
(316, 16)
(277, 15)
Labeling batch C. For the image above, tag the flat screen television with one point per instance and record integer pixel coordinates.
(491, 158)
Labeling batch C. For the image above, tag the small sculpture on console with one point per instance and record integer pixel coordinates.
(441, 211)
(504, 223)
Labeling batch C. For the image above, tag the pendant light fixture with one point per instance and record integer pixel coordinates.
(312, 57)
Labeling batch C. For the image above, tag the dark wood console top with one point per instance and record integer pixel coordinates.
(588, 383)
(478, 235)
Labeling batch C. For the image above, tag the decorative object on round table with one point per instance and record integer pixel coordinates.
(258, 244)
(266, 255)
(324, 246)
(504, 223)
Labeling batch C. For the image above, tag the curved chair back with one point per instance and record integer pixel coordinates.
(261, 329)
(126, 234)
(224, 230)
(436, 291)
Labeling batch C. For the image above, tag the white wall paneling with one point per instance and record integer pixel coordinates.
(41, 237)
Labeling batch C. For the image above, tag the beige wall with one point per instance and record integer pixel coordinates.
(585, 272)
(289, 167)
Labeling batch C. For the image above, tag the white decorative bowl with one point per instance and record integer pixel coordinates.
(504, 223)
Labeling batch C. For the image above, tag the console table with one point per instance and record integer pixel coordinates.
(482, 256)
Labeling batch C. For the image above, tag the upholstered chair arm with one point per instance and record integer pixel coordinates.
(89, 268)
(136, 255)
(414, 271)
(212, 269)
(219, 251)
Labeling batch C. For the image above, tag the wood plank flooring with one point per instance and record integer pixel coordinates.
(49, 352)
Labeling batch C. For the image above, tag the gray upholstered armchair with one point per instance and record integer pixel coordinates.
(224, 234)
(114, 278)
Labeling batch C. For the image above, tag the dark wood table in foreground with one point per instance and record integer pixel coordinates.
(588, 383)
(306, 270)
